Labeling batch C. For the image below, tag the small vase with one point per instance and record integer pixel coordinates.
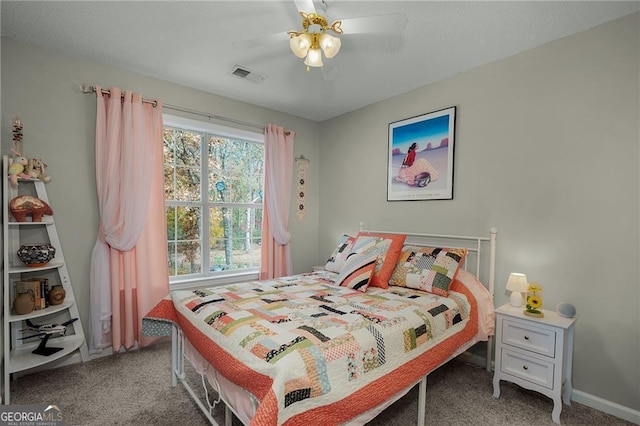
(36, 254)
(24, 303)
(56, 295)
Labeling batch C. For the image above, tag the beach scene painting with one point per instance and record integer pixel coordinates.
(421, 157)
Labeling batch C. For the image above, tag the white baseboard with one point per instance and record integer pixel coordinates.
(578, 396)
(605, 406)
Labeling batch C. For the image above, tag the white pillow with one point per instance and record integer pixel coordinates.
(335, 263)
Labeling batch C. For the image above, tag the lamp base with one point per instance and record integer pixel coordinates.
(515, 299)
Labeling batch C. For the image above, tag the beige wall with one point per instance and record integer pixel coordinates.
(43, 87)
(546, 151)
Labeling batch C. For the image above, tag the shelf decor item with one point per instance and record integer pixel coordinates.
(24, 303)
(36, 254)
(26, 205)
(56, 295)
(566, 310)
(534, 301)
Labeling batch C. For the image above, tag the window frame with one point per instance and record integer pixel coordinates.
(207, 277)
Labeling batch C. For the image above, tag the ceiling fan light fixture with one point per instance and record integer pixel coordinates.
(314, 58)
(300, 44)
(330, 45)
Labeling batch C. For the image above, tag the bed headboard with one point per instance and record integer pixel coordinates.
(480, 259)
(481, 250)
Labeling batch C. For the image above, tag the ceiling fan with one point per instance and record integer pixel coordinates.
(317, 36)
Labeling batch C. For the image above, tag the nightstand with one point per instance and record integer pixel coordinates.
(535, 353)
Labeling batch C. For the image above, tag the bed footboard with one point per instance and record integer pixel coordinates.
(178, 357)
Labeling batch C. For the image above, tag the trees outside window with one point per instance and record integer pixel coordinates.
(213, 186)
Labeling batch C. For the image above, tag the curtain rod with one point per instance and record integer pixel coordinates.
(86, 88)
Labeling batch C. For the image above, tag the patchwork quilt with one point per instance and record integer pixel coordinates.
(311, 351)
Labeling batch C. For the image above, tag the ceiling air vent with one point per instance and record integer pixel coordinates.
(246, 74)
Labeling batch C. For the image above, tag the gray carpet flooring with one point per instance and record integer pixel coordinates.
(135, 389)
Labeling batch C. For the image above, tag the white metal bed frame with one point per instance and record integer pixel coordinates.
(473, 244)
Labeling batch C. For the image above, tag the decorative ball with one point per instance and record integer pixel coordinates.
(566, 310)
(36, 254)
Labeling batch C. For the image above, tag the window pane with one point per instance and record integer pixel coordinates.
(187, 187)
(188, 258)
(169, 182)
(188, 223)
(236, 170)
(235, 235)
(182, 147)
(235, 254)
(171, 223)
(171, 252)
(169, 146)
(183, 235)
(182, 164)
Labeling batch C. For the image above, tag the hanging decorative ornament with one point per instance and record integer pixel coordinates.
(16, 125)
(302, 165)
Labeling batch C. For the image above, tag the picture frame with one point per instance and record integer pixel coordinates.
(421, 157)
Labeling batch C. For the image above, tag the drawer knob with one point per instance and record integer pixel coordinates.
(524, 367)
(526, 337)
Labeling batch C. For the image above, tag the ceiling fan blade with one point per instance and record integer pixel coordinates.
(391, 23)
(305, 6)
(260, 41)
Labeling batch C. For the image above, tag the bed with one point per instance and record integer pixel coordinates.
(339, 344)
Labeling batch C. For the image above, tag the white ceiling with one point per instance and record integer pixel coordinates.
(190, 43)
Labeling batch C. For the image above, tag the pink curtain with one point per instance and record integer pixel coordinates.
(278, 169)
(129, 271)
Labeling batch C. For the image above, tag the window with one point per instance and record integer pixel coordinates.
(213, 187)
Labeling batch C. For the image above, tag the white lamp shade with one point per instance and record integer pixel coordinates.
(314, 58)
(330, 45)
(517, 284)
(300, 45)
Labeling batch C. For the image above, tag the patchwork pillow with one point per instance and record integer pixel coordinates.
(340, 253)
(362, 243)
(388, 247)
(427, 268)
(357, 271)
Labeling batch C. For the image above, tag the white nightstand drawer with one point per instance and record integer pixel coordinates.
(529, 337)
(527, 368)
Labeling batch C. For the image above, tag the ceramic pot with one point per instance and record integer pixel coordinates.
(56, 295)
(36, 254)
(26, 205)
(24, 303)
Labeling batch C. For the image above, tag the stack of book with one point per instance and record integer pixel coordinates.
(39, 287)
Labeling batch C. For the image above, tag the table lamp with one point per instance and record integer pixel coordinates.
(517, 284)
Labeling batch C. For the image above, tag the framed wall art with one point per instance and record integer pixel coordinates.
(421, 157)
